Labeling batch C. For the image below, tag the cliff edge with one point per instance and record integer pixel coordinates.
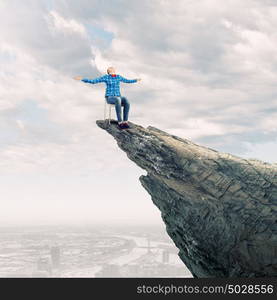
(220, 210)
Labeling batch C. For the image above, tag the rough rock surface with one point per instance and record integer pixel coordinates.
(220, 210)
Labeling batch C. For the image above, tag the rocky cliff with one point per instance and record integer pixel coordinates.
(220, 210)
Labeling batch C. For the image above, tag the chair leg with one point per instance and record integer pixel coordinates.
(110, 108)
(105, 108)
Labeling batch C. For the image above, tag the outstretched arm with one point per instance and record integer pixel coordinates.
(128, 80)
(93, 81)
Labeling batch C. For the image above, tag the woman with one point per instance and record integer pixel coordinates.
(113, 95)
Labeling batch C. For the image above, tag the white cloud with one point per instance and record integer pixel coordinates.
(58, 23)
(208, 72)
(20, 124)
(266, 150)
(100, 62)
(202, 61)
(194, 128)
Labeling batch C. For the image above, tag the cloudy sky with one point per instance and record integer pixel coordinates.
(209, 73)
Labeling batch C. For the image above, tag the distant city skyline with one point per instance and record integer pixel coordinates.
(53, 251)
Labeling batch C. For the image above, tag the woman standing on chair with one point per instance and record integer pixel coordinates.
(113, 95)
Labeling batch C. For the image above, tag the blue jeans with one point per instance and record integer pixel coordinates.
(118, 102)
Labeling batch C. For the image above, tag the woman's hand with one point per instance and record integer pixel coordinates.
(138, 79)
(78, 77)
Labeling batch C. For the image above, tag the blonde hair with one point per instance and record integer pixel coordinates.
(109, 69)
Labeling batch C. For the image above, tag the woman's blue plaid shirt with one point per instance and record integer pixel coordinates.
(112, 83)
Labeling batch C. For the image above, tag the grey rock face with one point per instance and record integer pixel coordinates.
(220, 210)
